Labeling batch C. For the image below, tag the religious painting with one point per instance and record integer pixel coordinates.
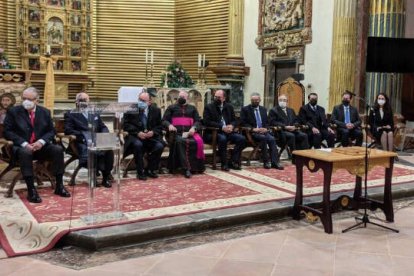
(75, 52)
(75, 36)
(34, 49)
(56, 3)
(58, 51)
(34, 32)
(59, 65)
(76, 19)
(34, 15)
(76, 65)
(281, 15)
(34, 64)
(55, 31)
(77, 4)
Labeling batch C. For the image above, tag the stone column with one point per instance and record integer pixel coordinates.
(232, 71)
(343, 50)
(387, 19)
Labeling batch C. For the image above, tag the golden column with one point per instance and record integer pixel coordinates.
(387, 19)
(232, 71)
(343, 50)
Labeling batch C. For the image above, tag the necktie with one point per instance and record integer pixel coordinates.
(144, 120)
(347, 118)
(33, 136)
(223, 122)
(258, 119)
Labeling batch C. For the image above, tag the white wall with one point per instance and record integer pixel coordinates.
(317, 54)
(252, 55)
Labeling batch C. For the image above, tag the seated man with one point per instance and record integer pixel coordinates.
(285, 117)
(255, 117)
(7, 100)
(31, 129)
(187, 151)
(347, 120)
(144, 135)
(314, 117)
(76, 123)
(220, 114)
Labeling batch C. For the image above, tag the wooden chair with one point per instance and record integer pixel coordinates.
(40, 168)
(70, 148)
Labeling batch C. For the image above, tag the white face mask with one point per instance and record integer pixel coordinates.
(282, 104)
(27, 104)
(381, 102)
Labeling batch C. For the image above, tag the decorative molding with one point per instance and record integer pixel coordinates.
(284, 24)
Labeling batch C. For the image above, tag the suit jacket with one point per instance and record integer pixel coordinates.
(248, 117)
(133, 124)
(376, 121)
(212, 115)
(278, 117)
(338, 116)
(17, 126)
(313, 118)
(76, 124)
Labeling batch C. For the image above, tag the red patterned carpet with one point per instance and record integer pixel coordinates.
(27, 228)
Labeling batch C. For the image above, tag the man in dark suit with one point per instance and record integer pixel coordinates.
(220, 114)
(144, 135)
(254, 116)
(314, 117)
(285, 117)
(31, 129)
(347, 120)
(76, 123)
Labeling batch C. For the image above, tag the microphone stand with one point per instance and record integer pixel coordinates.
(364, 220)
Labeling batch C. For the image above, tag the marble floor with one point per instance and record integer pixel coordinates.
(277, 248)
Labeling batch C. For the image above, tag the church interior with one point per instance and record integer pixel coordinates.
(236, 222)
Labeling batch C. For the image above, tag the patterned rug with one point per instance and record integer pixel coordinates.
(27, 228)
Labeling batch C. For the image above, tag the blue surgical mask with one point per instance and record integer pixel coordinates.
(142, 105)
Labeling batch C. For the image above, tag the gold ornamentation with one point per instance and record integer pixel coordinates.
(311, 164)
(309, 216)
(344, 201)
(7, 77)
(281, 15)
(17, 77)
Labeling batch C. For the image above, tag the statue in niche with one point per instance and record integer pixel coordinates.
(57, 3)
(76, 19)
(34, 32)
(75, 36)
(55, 31)
(34, 15)
(34, 1)
(34, 49)
(77, 4)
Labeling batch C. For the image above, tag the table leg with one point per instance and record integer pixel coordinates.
(326, 216)
(299, 188)
(388, 206)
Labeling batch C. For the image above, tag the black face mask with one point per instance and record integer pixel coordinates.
(254, 105)
(181, 101)
(313, 102)
(217, 101)
(345, 102)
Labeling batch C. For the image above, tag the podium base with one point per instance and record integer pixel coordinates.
(103, 217)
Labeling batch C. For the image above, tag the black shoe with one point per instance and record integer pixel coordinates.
(187, 174)
(61, 191)
(106, 183)
(235, 166)
(277, 166)
(267, 165)
(151, 174)
(141, 176)
(33, 196)
(225, 167)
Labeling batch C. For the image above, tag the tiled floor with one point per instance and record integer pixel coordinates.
(302, 250)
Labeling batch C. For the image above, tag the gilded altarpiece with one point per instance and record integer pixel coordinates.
(62, 28)
(283, 30)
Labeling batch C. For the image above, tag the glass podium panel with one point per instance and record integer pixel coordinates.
(103, 203)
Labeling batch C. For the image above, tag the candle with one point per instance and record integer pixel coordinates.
(152, 57)
(199, 60)
(146, 56)
(48, 49)
(204, 60)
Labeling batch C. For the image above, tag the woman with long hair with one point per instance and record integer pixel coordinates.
(381, 120)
